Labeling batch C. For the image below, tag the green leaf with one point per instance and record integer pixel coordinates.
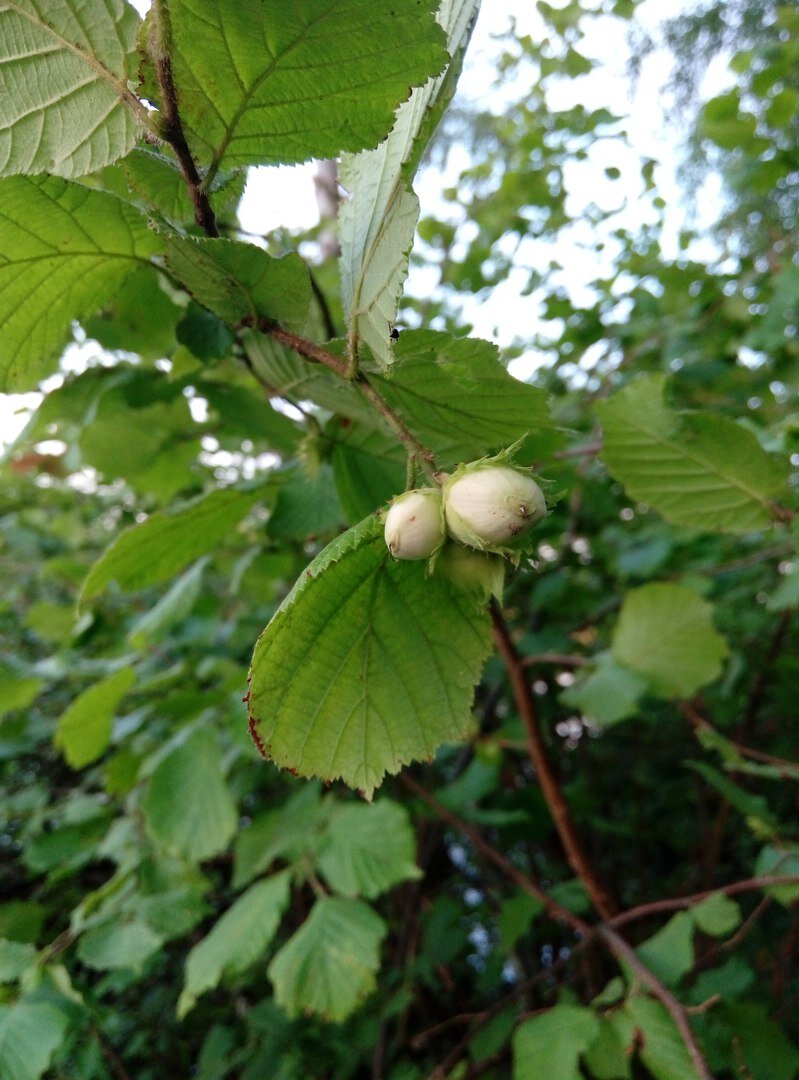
(288, 832)
(15, 958)
(30, 1033)
(785, 862)
(661, 1047)
(669, 953)
(329, 966)
(324, 77)
(16, 691)
(368, 464)
(243, 415)
(762, 1047)
(368, 849)
(456, 396)
(378, 221)
(66, 106)
(717, 914)
(115, 945)
(367, 665)
(608, 694)
(188, 807)
(550, 1045)
(698, 469)
(84, 730)
(665, 632)
(162, 545)
(296, 380)
(306, 505)
(237, 939)
(64, 250)
(239, 281)
(605, 1057)
(172, 608)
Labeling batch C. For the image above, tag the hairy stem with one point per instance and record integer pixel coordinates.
(172, 125)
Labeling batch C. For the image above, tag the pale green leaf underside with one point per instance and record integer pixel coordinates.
(64, 250)
(162, 545)
(665, 632)
(188, 807)
(456, 396)
(239, 281)
(378, 221)
(330, 964)
(324, 76)
(368, 664)
(237, 939)
(696, 469)
(84, 730)
(368, 849)
(65, 107)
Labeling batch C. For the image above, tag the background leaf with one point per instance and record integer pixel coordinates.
(237, 939)
(665, 632)
(84, 731)
(188, 806)
(163, 544)
(330, 964)
(30, 1033)
(551, 1044)
(368, 849)
(697, 469)
(367, 665)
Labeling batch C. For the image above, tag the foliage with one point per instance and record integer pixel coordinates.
(577, 857)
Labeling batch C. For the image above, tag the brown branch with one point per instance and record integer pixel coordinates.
(308, 350)
(558, 807)
(678, 903)
(171, 123)
(675, 1008)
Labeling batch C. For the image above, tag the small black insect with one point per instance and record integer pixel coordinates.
(393, 333)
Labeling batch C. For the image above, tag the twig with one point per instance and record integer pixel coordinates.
(605, 932)
(110, 1055)
(675, 1008)
(305, 348)
(172, 125)
(699, 723)
(558, 807)
(677, 903)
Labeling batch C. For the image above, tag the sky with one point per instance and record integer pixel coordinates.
(284, 197)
